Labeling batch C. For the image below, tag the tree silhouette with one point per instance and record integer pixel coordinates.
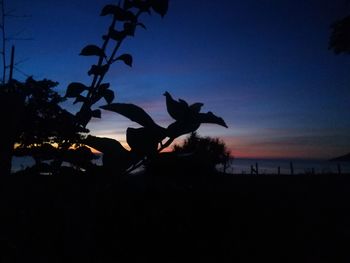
(36, 121)
(11, 113)
(206, 152)
(340, 38)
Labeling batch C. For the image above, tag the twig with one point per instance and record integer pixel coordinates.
(3, 41)
(20, 71)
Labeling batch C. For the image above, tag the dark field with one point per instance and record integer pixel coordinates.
(175, 219)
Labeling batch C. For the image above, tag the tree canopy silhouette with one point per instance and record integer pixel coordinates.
(339, 40)
(37, 121)
(206, 152)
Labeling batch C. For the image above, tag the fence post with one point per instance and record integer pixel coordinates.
(12, 65)
(291, 168)
(339, 169)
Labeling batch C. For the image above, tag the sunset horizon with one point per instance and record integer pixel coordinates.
(265, 68)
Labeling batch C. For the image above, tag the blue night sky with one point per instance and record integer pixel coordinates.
(264, 66)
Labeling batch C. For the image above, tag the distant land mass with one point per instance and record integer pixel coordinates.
(344, 158)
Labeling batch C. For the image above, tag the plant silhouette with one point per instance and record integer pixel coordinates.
(38, 122)
(126, 15)
(339, 40)
(150, 139)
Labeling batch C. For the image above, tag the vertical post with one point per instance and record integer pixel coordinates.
(339, 169)
(256, 169)
(3, 40)
(291, 168)
(279, 170)
(12, 63)
(251, 169)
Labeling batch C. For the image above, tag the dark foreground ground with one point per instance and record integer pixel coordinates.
(166, 219)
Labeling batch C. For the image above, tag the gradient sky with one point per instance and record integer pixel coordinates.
(262, 65)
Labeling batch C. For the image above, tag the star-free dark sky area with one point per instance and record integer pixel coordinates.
(264, 66)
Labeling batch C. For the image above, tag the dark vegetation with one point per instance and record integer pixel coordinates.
(340, 38)
(179, 210)
(47, 123)
(343, 158)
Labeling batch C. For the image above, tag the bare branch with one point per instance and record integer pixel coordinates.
(21, 61)
(20, 71)
(18, 39)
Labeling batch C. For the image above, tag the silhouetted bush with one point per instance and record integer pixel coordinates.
(204, 151)
(196, 156)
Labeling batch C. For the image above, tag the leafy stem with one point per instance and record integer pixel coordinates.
(91, 97)
(144, 159)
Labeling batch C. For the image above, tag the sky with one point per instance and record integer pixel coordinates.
(264, 66)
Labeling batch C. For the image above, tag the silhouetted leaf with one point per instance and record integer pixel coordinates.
(108, 95)
(81, 156)
(115, 156)
(74, 89)
(104, 145)
(117, 35)
(196, 107)
(160, 6)
(128, 4)
(98, 70)
(96, 114)
(142, 5)
(109, 10)
(79, 98)
(209, 117)
(183, 103)
(118, 13)
(84, 116)
(141, 25)
(129, 29)
(129, 16)
(179, 128)
(131, 112)
(178, 110)
(142, 141)
(127, 58)
(92, 50)
(104, 86)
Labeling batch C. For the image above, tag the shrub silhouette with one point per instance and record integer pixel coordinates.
(205, 152)
(197, 156)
